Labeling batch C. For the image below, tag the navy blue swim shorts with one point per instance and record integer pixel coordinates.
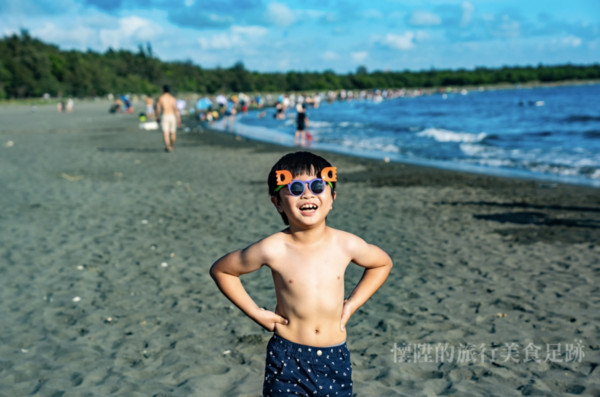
(298, 370)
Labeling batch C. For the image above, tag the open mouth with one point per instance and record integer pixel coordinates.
(308, 207)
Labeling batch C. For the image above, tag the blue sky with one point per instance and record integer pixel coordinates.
(318, 35)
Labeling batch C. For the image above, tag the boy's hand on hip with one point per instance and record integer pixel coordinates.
(268, 319)
(347, 312)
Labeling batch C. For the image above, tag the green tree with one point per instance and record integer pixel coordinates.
(30, 67)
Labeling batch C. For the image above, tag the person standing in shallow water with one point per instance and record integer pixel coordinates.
(301, 124)
(166, 109)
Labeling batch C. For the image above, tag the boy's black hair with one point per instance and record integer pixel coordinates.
(297, 163)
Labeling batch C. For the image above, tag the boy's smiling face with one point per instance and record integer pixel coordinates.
(309, 208)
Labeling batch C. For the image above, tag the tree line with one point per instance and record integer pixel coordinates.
(31, 68)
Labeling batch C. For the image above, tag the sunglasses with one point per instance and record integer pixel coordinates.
(296, 187)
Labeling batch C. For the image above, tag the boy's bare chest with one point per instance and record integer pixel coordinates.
(311, 268)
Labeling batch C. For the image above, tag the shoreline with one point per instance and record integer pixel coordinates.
(429, 90)
(276, 138)
(379, 174)
(106, 242)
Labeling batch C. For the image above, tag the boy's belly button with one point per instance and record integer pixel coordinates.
(317, 330)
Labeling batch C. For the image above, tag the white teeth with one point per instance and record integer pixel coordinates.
(308, 207)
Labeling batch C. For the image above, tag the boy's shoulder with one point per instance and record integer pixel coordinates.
(275, 238)
(345, 238)
(271, 245)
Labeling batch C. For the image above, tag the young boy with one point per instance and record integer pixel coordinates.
(307, 354)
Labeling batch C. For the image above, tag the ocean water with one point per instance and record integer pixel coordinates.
(547, 133)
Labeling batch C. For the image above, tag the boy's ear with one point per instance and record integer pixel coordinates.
(333, 199)
(276, 203)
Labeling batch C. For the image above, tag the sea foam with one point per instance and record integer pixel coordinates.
(442, 135)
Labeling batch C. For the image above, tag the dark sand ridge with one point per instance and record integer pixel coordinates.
(92, 208)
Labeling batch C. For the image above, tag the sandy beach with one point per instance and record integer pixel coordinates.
(106, 242)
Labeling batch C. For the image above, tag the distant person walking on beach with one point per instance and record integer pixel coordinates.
(150, 108)
(307, 354)
(166, 108)
(301, 124)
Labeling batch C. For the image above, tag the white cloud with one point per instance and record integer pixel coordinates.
(94, 21)
(396, 15)
(219, 19)
(251, 31)
(424, 18)
(467, 14)
(223, 41)
(129, 33)
(78, 37)
(238, 36)
(330, 17)
(280, 14)
(398, 42)
(487, 17)
(98, 32)
(569, 41)
(110, 38)
(330, 56)
(137, 28)
(359, 56)
(508, 28)
(283, 64)
(421, 35)
(372, 14)
(312, 14)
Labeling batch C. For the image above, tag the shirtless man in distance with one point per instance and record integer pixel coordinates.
(166, 108)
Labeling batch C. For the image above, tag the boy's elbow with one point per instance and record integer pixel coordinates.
(214, 271)
(388, 264)
(223, 266)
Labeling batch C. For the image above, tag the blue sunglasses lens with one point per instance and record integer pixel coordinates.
(296, 188)
(317, 186)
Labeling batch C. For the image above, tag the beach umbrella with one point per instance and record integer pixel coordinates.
(221, 99)
(203, 104)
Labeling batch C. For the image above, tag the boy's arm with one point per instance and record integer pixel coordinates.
(226, 273)
(377, 266)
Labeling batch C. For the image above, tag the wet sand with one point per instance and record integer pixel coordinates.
(106, 242)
